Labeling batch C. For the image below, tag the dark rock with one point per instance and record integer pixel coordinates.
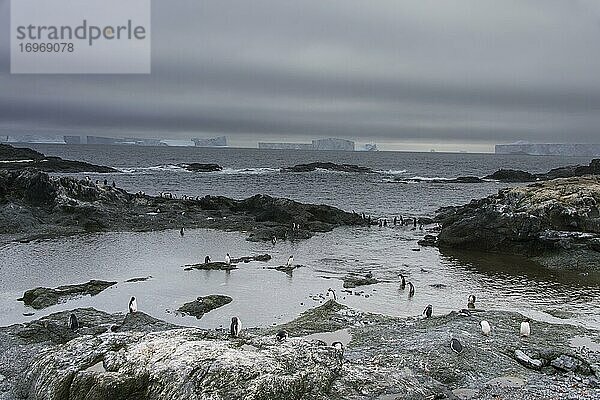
(202, 305)
(217, 265)
(428, 240)
(197, 167)
(352, 281)
(565, 363)
(140, 279)
(527, 361)
(327, 166)
(247, 259)
(42, 297)
(47, 164)
(511, 175)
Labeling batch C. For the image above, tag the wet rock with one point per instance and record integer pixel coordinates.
(511, 175)
(555, 223)
(202, 305)
(565, 363)
(198, 167)
(218, 265)
(36, 160)
(428, 241)
(527, 361)
(327, 166)
(42, 297)
(352, 281)
(247, 259)
(140, 279)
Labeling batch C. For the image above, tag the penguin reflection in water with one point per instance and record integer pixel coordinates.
(236, 327)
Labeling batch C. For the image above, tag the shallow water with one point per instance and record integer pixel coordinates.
(264, 297)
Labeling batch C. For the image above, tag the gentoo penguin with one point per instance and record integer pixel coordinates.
(428, 311)
(402, 281)
(274, 240)
(485, 327)
(411, 289)
(526, 328)
(73, 323)
(331, 294)
(236, 327)
(227, 259)
(456, 346)
(290, 261)
(339, 347)
(181, 231)
(281, 336)
(206, 259)
(369, 275)
(132, 305)
(471, 301)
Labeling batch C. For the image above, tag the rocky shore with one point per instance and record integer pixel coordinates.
(35, 205)
(556, 223)
(15, 158)
(137, 356)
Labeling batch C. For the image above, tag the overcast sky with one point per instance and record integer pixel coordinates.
(404, 74)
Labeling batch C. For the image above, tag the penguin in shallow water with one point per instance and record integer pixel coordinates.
(411, 289)
(456, 346)
(331, 294)
(402, 281)
(236, 327)
(428, 311)
(485, 327)
(227, 259)
(73, 323)
(133, 305)
(181, 231)
(471, 301)
(290, 261)
(281, 336)
(526, 328)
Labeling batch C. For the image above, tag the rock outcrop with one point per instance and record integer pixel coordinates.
(509, 175)
(42, 297)
(557, 223)
(198, 167)
(202, 305)
(15, 158)
(137, 356)
(329, 166)
(33, 204)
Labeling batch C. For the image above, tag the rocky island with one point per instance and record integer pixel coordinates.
(329, 166)
(139, 357)
(555, 222)
(36, 205)
(15, 158)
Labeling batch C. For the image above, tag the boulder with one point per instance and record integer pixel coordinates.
(42, 297)
(527, 361)
(202, 305)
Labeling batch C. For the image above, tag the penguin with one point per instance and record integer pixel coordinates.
(456, 346)
(181, 231)
(331, 294)
(485, 327)
(526, 328)
(236, 327)
(395, 221)
(471, 301)
(274, 240)
(73, 323)
(339, 347)
(402, 281)
(206, 259)
(227, 259)
(132, 305)
(281, 336)
(411, 289)
(369, 275)
(415, 222)
(290, 261)
(428, 311)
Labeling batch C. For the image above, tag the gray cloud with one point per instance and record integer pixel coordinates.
(468, 71)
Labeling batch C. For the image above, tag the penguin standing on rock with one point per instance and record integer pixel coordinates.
(227, 259)
(133, 305)
(181, 232)
(206, 259)
(339, 347)
(290, 261)
(236, 327)
(331, 294)
(73, 323)
(485, 328)
(428, 311)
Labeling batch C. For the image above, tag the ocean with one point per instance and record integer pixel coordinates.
(263, 296)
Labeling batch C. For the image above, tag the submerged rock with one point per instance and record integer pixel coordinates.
(247, 259)
(556, 223)
(202, 305)
(352, 281)
(221, 266)
(329, 166)
(42, 297)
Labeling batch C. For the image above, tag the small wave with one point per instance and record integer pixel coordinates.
(248, 171)
(427, 178)
(143, 170)
(391, 172)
